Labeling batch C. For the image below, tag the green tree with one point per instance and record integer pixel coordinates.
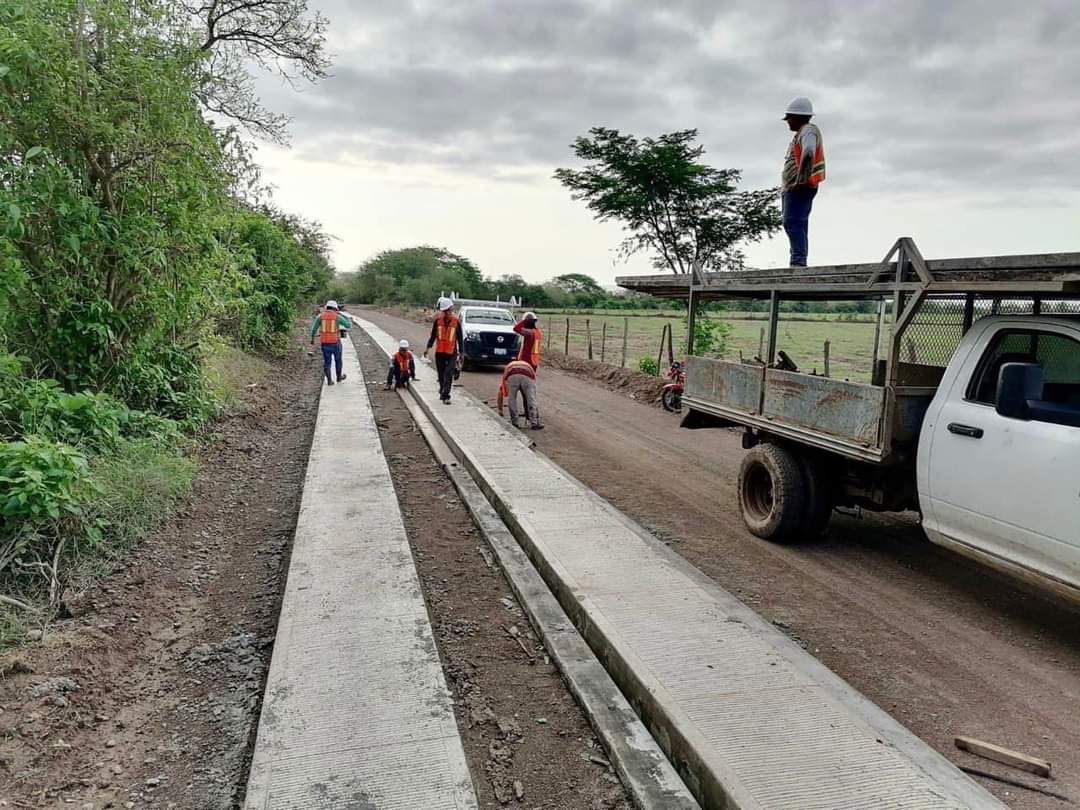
(670, 204)
(582, 289)
(418, 276)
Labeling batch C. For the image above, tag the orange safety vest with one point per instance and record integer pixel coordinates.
(446, 335)
(403, 362)
(328, 328)
(817, 169)
(533, 358)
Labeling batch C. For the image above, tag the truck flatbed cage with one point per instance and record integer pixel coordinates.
(903, 269)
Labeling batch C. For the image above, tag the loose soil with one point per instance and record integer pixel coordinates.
(527, 743)
(944, 645)
(149, 697)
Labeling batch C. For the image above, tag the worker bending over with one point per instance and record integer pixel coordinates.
(402, 367)
(530, 340)
(329, 325)
(519, 377)
(804, 170)
(446, 338)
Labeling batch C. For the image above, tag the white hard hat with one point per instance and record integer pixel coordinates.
(445, 304)
(800, 105)
(331, 304)
(529, 316)
(403, 344)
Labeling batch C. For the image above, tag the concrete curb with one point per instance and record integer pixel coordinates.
(641, 765)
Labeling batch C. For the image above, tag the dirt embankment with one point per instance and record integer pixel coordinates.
(527, 743)
(149, 696)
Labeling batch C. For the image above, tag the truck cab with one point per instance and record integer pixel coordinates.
(998, 461)
(487, 335)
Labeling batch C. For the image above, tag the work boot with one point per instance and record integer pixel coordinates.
(342, 377)
(515, 423)
(538, 427)
(329, 379)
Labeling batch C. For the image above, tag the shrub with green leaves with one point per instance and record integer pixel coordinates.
(43, 482)
(647, 365)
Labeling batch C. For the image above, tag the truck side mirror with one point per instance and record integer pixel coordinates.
(1018, 384)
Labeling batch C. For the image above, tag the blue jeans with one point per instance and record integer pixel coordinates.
(331, 351)
(796, 205)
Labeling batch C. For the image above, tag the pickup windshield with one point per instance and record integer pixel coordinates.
(491, 316)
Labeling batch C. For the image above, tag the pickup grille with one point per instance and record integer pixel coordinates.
(490, 340)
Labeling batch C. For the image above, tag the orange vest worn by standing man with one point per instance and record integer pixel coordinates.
(531, 338)
(328, 325)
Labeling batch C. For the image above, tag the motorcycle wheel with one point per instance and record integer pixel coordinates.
(671, 400)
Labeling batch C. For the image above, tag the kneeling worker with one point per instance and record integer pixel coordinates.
(402, 367)
(518, 376)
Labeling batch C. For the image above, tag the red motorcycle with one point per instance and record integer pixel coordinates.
(671, 398)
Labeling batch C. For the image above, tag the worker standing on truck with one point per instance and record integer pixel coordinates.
(446, 338)
(402, 367)
(519, 377)
(329, 325)
(804, 170)
(530, 340)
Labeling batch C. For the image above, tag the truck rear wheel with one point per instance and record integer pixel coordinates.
(772, 492)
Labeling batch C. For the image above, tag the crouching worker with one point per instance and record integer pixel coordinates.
(519, 377)
(402, 367)
(329, 325)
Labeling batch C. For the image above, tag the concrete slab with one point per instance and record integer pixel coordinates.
(356, 712)
(749, 719)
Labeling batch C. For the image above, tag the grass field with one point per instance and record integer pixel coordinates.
(802, 336)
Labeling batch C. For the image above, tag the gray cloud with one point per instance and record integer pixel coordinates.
(924, 94)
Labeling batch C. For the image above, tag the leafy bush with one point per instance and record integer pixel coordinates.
(647, 365)
(710, 336)
(43, 482)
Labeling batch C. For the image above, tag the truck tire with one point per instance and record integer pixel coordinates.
(818, 506)
(772, 493)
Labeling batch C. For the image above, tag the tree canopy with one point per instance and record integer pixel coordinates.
(678, 209)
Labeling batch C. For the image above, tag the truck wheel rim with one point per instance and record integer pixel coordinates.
(758, 492)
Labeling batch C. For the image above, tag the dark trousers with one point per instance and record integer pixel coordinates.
(445, 364)
(395, 377)
(331, 352)
(796, 205)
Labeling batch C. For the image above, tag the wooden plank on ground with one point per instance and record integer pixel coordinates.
(1004, 755)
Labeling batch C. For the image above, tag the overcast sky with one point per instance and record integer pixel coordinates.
(952, 122)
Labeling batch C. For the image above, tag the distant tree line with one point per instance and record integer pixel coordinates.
(417, 276)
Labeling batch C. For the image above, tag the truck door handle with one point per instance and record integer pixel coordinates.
(965, 430)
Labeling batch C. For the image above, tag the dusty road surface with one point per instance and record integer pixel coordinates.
(945, 646)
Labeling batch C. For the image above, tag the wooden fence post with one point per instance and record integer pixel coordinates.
(588, 338)
(547, 334)
(603, 340)
(625, 329)
(670, 351)
(566, 345)
(826, 358)
(761, 343)
(660, 354)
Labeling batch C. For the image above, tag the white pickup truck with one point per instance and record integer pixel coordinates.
(971, 417)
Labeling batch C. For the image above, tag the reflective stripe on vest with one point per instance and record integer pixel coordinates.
(533, 357)
(446, 335)
(328, 328)
(817, 169)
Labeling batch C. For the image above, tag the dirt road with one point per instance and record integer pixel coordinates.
(945, 646)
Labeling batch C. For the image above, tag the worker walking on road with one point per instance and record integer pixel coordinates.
(402, 367)
(530, 340)
(519, 377)
(804, 170)
(329, 325)
(446, 338)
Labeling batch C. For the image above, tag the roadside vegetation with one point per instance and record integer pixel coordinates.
(140, 265)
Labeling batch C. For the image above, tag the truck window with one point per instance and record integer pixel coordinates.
(1059, 356)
